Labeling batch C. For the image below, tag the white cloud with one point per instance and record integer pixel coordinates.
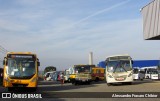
(71, 44)
(63, 41)
(29, 2)
(12, 26)
(102, 11)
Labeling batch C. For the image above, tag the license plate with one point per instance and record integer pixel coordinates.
(83, 79)
(120, 78)
(20, 85)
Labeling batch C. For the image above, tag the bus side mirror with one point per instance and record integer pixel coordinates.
(38, 63)
(132, 61)
(5, 62)
(105, 62)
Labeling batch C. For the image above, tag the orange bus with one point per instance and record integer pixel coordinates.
(98, 73)
(20, 70)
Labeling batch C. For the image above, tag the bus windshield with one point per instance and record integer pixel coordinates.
(66, 73)
(135, 71)
(154, 72)
(82, 69)
(119, 66)
(21, 68)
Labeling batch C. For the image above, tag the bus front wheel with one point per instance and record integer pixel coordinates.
(129, 83)
(10, 88)
(34, 89)
(69, 80)
(108, 84)
(97, 79)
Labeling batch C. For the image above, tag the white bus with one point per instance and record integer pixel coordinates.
(119, 69)
(151, 74)
(138, 74)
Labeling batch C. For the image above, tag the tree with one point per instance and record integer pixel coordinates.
(49, 68)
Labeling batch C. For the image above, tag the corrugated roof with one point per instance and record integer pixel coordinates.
(147, 4)
(145, 63)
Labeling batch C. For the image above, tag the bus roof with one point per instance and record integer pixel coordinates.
(98, 68)
(118, 55)
(84, 65)
(18, 52)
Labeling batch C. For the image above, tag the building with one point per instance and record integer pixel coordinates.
(151, 20)
(145, 63)
(102, 64)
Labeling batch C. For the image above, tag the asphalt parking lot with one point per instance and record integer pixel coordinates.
(51, 88)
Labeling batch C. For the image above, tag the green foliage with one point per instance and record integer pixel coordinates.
(49, 68)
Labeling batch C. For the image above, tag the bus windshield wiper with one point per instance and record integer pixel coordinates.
(116, 67)
(120, 64)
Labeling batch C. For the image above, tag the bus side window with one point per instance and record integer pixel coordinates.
(92, 70)
(98, 71)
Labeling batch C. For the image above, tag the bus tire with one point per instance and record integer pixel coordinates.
(73, 83)
(108, 84)
(10, 88)
(69, 80)
(97, 79)
(76, 83)
(34, 89)
(129, 83)
(88, 82)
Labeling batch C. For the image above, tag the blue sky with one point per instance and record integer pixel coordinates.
(63, 32)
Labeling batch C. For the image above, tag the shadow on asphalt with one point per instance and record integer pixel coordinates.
(48, 82)
(50, 86)
(58, 82)
(144, 81)
(64, 87)
(136, 82)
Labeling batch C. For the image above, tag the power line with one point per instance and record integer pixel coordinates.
(3, 50)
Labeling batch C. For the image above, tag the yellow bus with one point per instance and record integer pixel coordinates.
(98, 73)
(80, 74)
(20, 70)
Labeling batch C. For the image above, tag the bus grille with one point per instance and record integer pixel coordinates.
(19, 85)
(121, 78)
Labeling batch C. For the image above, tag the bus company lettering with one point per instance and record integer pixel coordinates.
(19, 95)
(34, 96)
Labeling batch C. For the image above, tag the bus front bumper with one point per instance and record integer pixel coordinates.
(19, 83)
(83, 79)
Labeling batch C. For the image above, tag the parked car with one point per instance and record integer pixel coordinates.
(49, 75)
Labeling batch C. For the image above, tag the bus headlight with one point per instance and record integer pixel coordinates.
(110, 76)
(7, 79)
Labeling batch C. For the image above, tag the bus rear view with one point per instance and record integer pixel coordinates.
(20, 70)
(119, 69)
